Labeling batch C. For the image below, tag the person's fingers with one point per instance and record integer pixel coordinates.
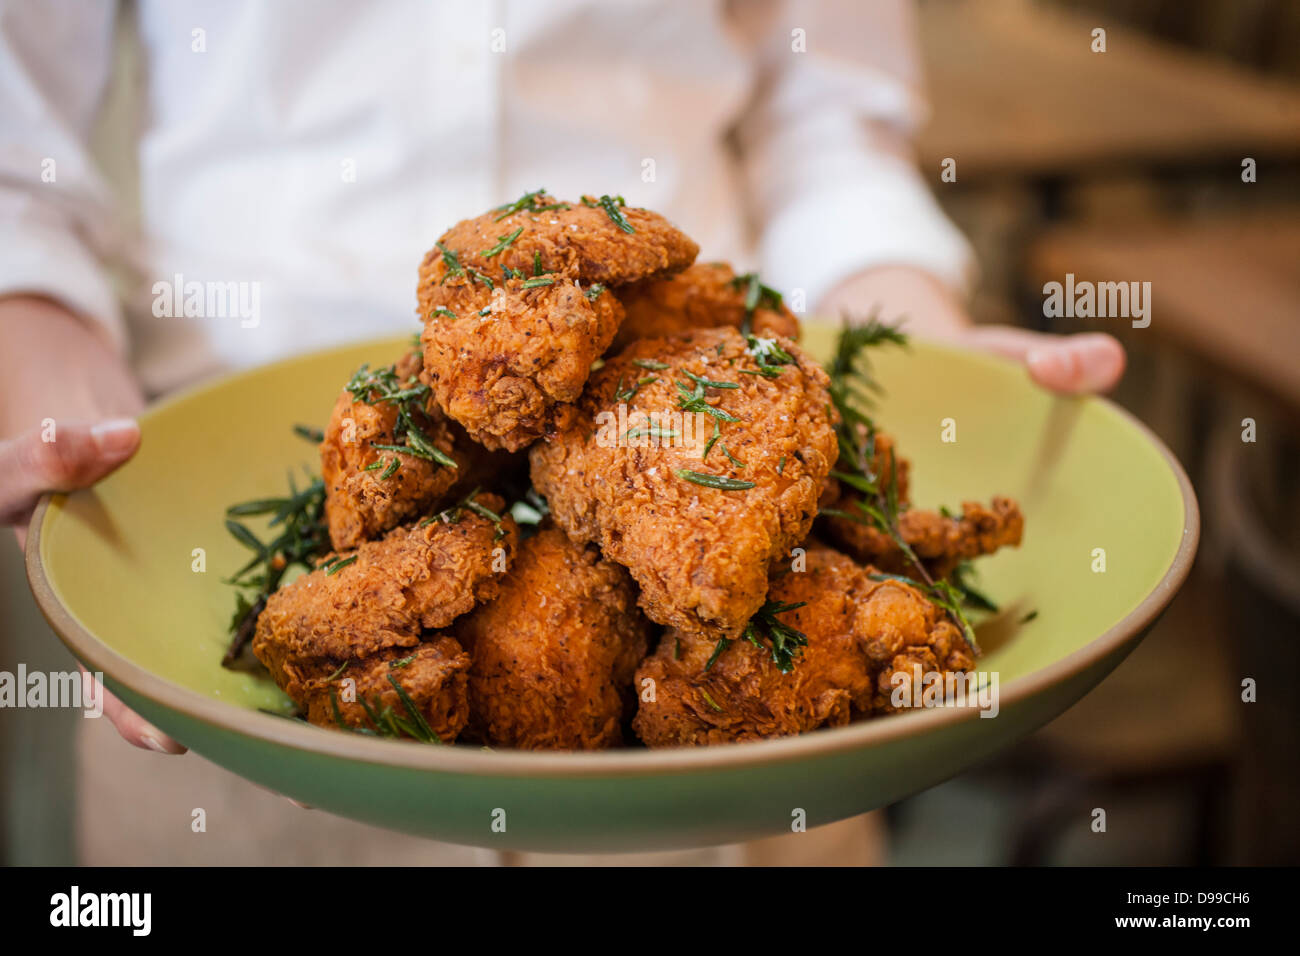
(1083, 363)
(62, 457)
(133, 728)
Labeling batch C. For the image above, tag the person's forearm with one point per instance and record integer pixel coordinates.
(57, 365)
(926, 306)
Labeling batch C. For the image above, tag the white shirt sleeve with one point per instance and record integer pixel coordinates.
(832, 193)
(55, 209)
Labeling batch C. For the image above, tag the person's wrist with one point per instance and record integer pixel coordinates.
(925, 304)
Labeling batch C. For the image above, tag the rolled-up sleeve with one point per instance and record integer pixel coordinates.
(56, 212)
(831, 191)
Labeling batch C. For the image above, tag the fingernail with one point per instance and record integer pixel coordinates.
(116, 436)
(1047, 366)
(151, 741)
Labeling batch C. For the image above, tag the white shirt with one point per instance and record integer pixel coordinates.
(313, 151)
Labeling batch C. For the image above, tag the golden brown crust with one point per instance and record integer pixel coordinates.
(577, 241)
(433, 675)
(555, 652)
(500, 359)
(413, 579)
(859, 632)
(940, 541)
(700, 554)
(706, 295)
(364, 495)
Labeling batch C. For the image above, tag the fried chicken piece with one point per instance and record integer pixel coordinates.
(624, 467)
(499, 359)
(940, 541)
(371, 693)
(858, 632)
(706, 295)
(387, 592)
(573, 239)
(555, 652)
(365, 494)
(332, 638)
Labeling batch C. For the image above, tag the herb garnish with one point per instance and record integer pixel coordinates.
(853, 388)
(451, 260)
(713, 481)
(410, 398)
(611, 206)
(769, 356)
(766, 633)
(302, 539)
(756, 294)
(527, 203)
(503, 243)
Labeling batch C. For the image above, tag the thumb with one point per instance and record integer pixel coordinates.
(60, 458)
(1074, 364)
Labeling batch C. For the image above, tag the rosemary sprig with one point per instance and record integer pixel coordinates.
(756, 294)
(766, 633)
(503, 243)
(527, 203)
(769, 356)
(302, 537)
(611, 206)
(314, 435)
(708, 383)
(410, 399)
(713, 481)
(452, 261)
(852, 390)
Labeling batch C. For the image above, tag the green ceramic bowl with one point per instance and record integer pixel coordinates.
(112, 569)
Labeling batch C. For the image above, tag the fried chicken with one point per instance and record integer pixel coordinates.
(385, 597)
(858, 633)
(706, 295)
(554, 653)
(591, 240)
(367, 494)
(694, 461)
(371, 693)
(939, 540)
(498, 360)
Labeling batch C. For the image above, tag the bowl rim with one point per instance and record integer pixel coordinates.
(629, 762)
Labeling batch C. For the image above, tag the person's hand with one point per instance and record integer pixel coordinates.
(65, 402)
(1073, 364)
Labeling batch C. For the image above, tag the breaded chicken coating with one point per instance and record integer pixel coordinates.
(369, 486)
(498, 360)
(387, 592)
(554, 653)
(595, 240)
(694, 461)
(939, 540)
(372, 693)
(857, 632)
(706, 295)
